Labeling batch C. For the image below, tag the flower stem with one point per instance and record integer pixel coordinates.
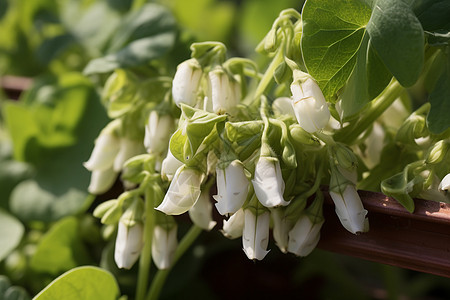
(146, 255)
(161, 275)
(349, 134)
(268, 75)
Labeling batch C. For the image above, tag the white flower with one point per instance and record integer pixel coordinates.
(309, 105)
(234, 227)
(157, 132)
(164, 244)
(128, 149)
(305, 235)
(350, 210)
(444, 185)
(268, 182)
(102, 181)
(183, 192)
(224, 91)
(255, 237)
(186, 82)
(105, 151)
(280, 229)
(283, 106)
(129, 244)
(201, 212)
(170, 165)
(232, 188)
(374, 145)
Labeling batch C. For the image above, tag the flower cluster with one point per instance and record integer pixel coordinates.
(223, 136)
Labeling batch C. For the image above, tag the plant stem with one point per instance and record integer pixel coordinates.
(349, 134)
(161, 275)
(268, 75)
(146, 255)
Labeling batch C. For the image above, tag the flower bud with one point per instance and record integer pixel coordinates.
(305, 235)
(255, 237)
(438, 152)
(129, 244)
(310, 106)
(158, 130)
(164, 244)
(232, 188)
(268, 182)
(102, 181)
(128, 149)
(281, 227)
(201, 212)
(186, 82)
(183, 192)
(105, 150)
(345, 157)
(225, 91)
(234, 226)
(350, 210)
(283, 106)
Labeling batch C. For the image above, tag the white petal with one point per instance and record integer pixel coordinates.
(268, 182)
(164, 244)
(129, 244)
(444, 185)
(185, 83)
(201, 212)
(170, 165)
(102, 181)
(350, 210)
(234, 227)
(157, 132)
(280, 229)
(255, 237)
(183, 192)
(104, 152)
(232, 188)
(305, 235)
(128, 149)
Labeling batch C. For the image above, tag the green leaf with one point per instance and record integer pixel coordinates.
(144, 35)
(398, 187)
(11, 173)
(397, 36)
(437, 119)
(433, 14)
(11, 232)
(60, 249)
(332, 34)
(82, 283)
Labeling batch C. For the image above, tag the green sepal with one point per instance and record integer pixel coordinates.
(244, 137)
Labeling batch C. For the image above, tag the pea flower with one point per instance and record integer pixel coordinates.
(186, 82)
(283, 106)
(268, 182)
(224, 91)
(101, 181)
(164, 244)
(201, 212)
(128, 149)
(102, 158)
(304, 236)
(444, 185)
(157, 132)
(183, 192)
(309, 104)
(281, 229)
(232, 188)
(255, 237)
(129, 244)
(350, 210)
(170, 166)
(234, 226)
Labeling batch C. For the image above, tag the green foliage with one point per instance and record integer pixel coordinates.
(8, 292)
(60, 249)
(81, 283)
(11, 232)
(142, 35)
(55, 142)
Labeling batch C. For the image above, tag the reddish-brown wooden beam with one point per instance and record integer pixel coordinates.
(418, 241)
(13, 86)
